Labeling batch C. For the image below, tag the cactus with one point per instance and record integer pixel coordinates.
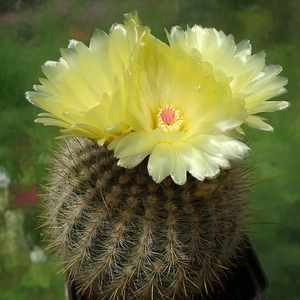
(120, 235)
(169, 222)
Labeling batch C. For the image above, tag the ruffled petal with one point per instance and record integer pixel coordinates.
(132, 143)
(85, 92)
(250, 79)
(220, 145)
(132, 148)
(161, 162)
(191, 160)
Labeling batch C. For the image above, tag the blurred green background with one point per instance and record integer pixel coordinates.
(32, 31)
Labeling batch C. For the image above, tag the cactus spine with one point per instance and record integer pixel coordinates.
(122, 236)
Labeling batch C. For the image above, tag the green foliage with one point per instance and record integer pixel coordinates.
(24, 280)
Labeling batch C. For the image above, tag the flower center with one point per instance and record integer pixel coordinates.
(169, 119)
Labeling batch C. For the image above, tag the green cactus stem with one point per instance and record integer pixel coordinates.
(122, 236)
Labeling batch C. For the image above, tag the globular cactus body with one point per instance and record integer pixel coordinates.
(122, 236)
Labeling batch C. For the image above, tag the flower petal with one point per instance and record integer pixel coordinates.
(220, 145)
(191, 159)
(161, 162)
(132, 148)
(132, 143)
(85, 89)
(250, 79)
(160, 135)
(258, 123)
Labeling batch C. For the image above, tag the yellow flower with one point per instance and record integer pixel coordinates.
(180, 107)
(249, 78)
(85, 92)
(180, 114)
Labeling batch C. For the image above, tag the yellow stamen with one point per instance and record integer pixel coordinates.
(169, 119)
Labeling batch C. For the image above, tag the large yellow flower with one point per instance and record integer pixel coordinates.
(181, 116)
(250, 79)
(178, 106)
(85, 92)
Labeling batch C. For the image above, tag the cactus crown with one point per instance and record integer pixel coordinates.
(122, 236)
